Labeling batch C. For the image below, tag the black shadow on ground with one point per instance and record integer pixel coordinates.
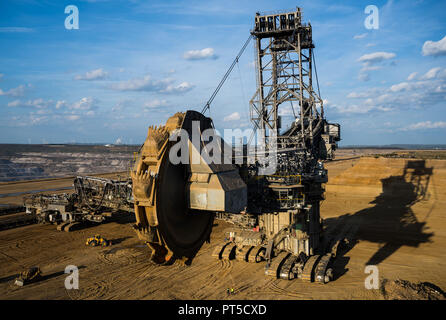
(118, 240)
(390, 222)
(56, 274)
(44, 276)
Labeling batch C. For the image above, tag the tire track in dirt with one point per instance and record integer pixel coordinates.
(122, 257)
(275, 287)
(11, 288)
(98, 289)
(226, 275)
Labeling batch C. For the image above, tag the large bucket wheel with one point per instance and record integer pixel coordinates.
(164, 221)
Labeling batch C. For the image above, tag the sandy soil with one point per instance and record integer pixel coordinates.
(392, 208)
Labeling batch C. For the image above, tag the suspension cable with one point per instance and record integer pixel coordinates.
(242, 87)
(208, 104)
(315, 71)
(317, 81)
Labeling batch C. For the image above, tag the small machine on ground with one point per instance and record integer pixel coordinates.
(33, 274)
(97, 240)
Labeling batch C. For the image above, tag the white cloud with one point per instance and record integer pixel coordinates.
(182, 87)
(400, 87)
(358, 109)
(14, 92)
(369, 62)
(97, 74)
(353, 95)
(61, 104)
(425, 125)
(414, 85)
(146, 83)
(370, 68)
(40, 103)
(15, 103)
(37, 120)
(375, 57)
(25, 121)
(156, 104)
(373, 92)
(383, 108)
(206, 53)
(434, 48)
(363, 76)
(36, 103)
(406, 95)
(83, 107)
(360, 36)
(232, 117)
(367, 106)
(86, 103)
(432, 73)
(45, 110)
(120, 105)
(412, 76)
(441, 88)
(72, 117)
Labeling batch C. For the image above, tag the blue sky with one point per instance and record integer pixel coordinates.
(132, 64)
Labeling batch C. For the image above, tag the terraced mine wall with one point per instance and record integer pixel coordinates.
(395, 177)
(27, 162)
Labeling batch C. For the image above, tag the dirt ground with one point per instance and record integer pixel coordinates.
(393, 210)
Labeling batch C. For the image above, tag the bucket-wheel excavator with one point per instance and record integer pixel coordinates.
(273, 204)
(175, 203)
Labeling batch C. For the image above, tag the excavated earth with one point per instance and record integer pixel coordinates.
(391, 209)
(26, 162)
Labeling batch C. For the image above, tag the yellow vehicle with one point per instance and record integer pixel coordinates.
(97, 240)
(28, 276)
